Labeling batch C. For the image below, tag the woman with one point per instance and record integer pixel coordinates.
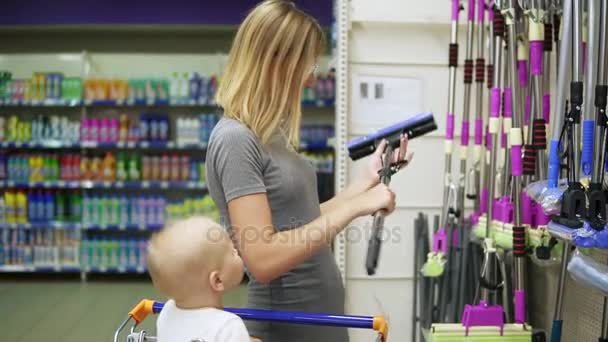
(266, 193)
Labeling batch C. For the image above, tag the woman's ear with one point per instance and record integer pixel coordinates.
(215, 281)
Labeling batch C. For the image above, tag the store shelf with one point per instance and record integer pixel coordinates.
(62, 225)
(160, 145)
(115, 270)
(327, 103)
(316, 147)
(70, 269)
(104, 185)
(38, 269)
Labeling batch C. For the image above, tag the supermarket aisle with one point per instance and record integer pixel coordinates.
(33, 311)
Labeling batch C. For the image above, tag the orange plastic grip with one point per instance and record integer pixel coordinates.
(381, 327)
(141, 310)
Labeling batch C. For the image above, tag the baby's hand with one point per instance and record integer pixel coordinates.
(255, 339)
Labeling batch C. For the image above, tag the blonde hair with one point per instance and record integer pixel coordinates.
(273, 54)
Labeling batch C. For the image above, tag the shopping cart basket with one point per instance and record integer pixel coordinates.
(147, 306)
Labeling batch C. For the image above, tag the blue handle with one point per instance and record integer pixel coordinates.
(554, 165)
(414, 121)
(348, 321)
(556, 331)
(587, 153)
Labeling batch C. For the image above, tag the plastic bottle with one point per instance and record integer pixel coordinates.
(123, 257)
(163, 129)
(143, 251)
(109, 167)
(123, 131)
(32, 209)
(49, 207)
(144, 134)
(124, 211)
(2, 214)
(59, 207)
(113, 131)
(132, 253)
(21, 203)
(134, 174)
(94, 204)
(155, 168)
(121, 169)
(86, 210)
(142, 204)
(76, 208)
(175, 168)
(94, 130)
(76, 175)
(154, 130)
(164, 168)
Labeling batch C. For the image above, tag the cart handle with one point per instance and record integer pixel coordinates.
(377, 323)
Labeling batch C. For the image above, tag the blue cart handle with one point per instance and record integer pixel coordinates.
(377, 323)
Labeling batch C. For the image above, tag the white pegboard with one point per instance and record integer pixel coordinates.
(582, 308)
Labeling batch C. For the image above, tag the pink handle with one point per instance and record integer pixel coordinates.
(471, 8)
(522, 68)
(547, 107)
(508, 109)
(478, 131)
(481, 11)
(520, 307)
(516, 161)
(495, 103)
(483, 201)
(449, 130)
(464, 137)
(536, 57)
(528, 109)
(455, 9)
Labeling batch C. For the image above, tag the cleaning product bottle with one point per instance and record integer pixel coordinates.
(164, 168)
(121, 169)
(32, 209)
(132, 252)
(109, 168)
(123, 131)
(86, 210)
(175, 168)
(123, 257)
(9, 202)
(49, 207)
(124, 211)
(134, 174)
(143, 251)
(76, 208)
(21, 204)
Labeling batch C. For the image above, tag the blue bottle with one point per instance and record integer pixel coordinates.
(49, 207)
(32, 207)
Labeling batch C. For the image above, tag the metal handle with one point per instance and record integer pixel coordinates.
(377, 323)
(375, 242)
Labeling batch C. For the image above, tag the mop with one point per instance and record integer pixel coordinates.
(485, 322)
(360, 147)
(435, 265)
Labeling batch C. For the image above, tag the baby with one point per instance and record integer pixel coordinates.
(193, 262)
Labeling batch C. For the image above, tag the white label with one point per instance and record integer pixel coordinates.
(515, 136)
(120, 184)
(464, 152)
(144, 144)
(494, 125)
(449, 146)
(145, 184)
(507, 124)
(164, 185)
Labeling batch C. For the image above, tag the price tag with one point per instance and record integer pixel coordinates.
(142, 227)
(164, 185)
(107, 184)
(44, 184)
(61, 184)
(131, 144)
(120, 144)
(150, 102)
(122, 269)
(130, 102)
(140, 269)
(10, 184)
(191, 185)
(122, 227)
(145, 184)
(18, 144)
(120, 184)
(120, 102)
(103, 269)
(144, 144)
(57, 268)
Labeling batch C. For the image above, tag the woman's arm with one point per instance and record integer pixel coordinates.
(268, 253)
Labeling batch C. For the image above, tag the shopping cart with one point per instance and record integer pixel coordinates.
(147, 306)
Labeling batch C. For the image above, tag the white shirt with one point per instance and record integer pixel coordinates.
(199, 325)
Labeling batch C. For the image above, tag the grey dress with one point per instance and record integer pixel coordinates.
(237, 165)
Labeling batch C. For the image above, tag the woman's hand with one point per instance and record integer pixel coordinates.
(380, 197)
(376, 160)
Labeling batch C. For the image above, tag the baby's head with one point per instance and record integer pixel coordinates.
(193, 257)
